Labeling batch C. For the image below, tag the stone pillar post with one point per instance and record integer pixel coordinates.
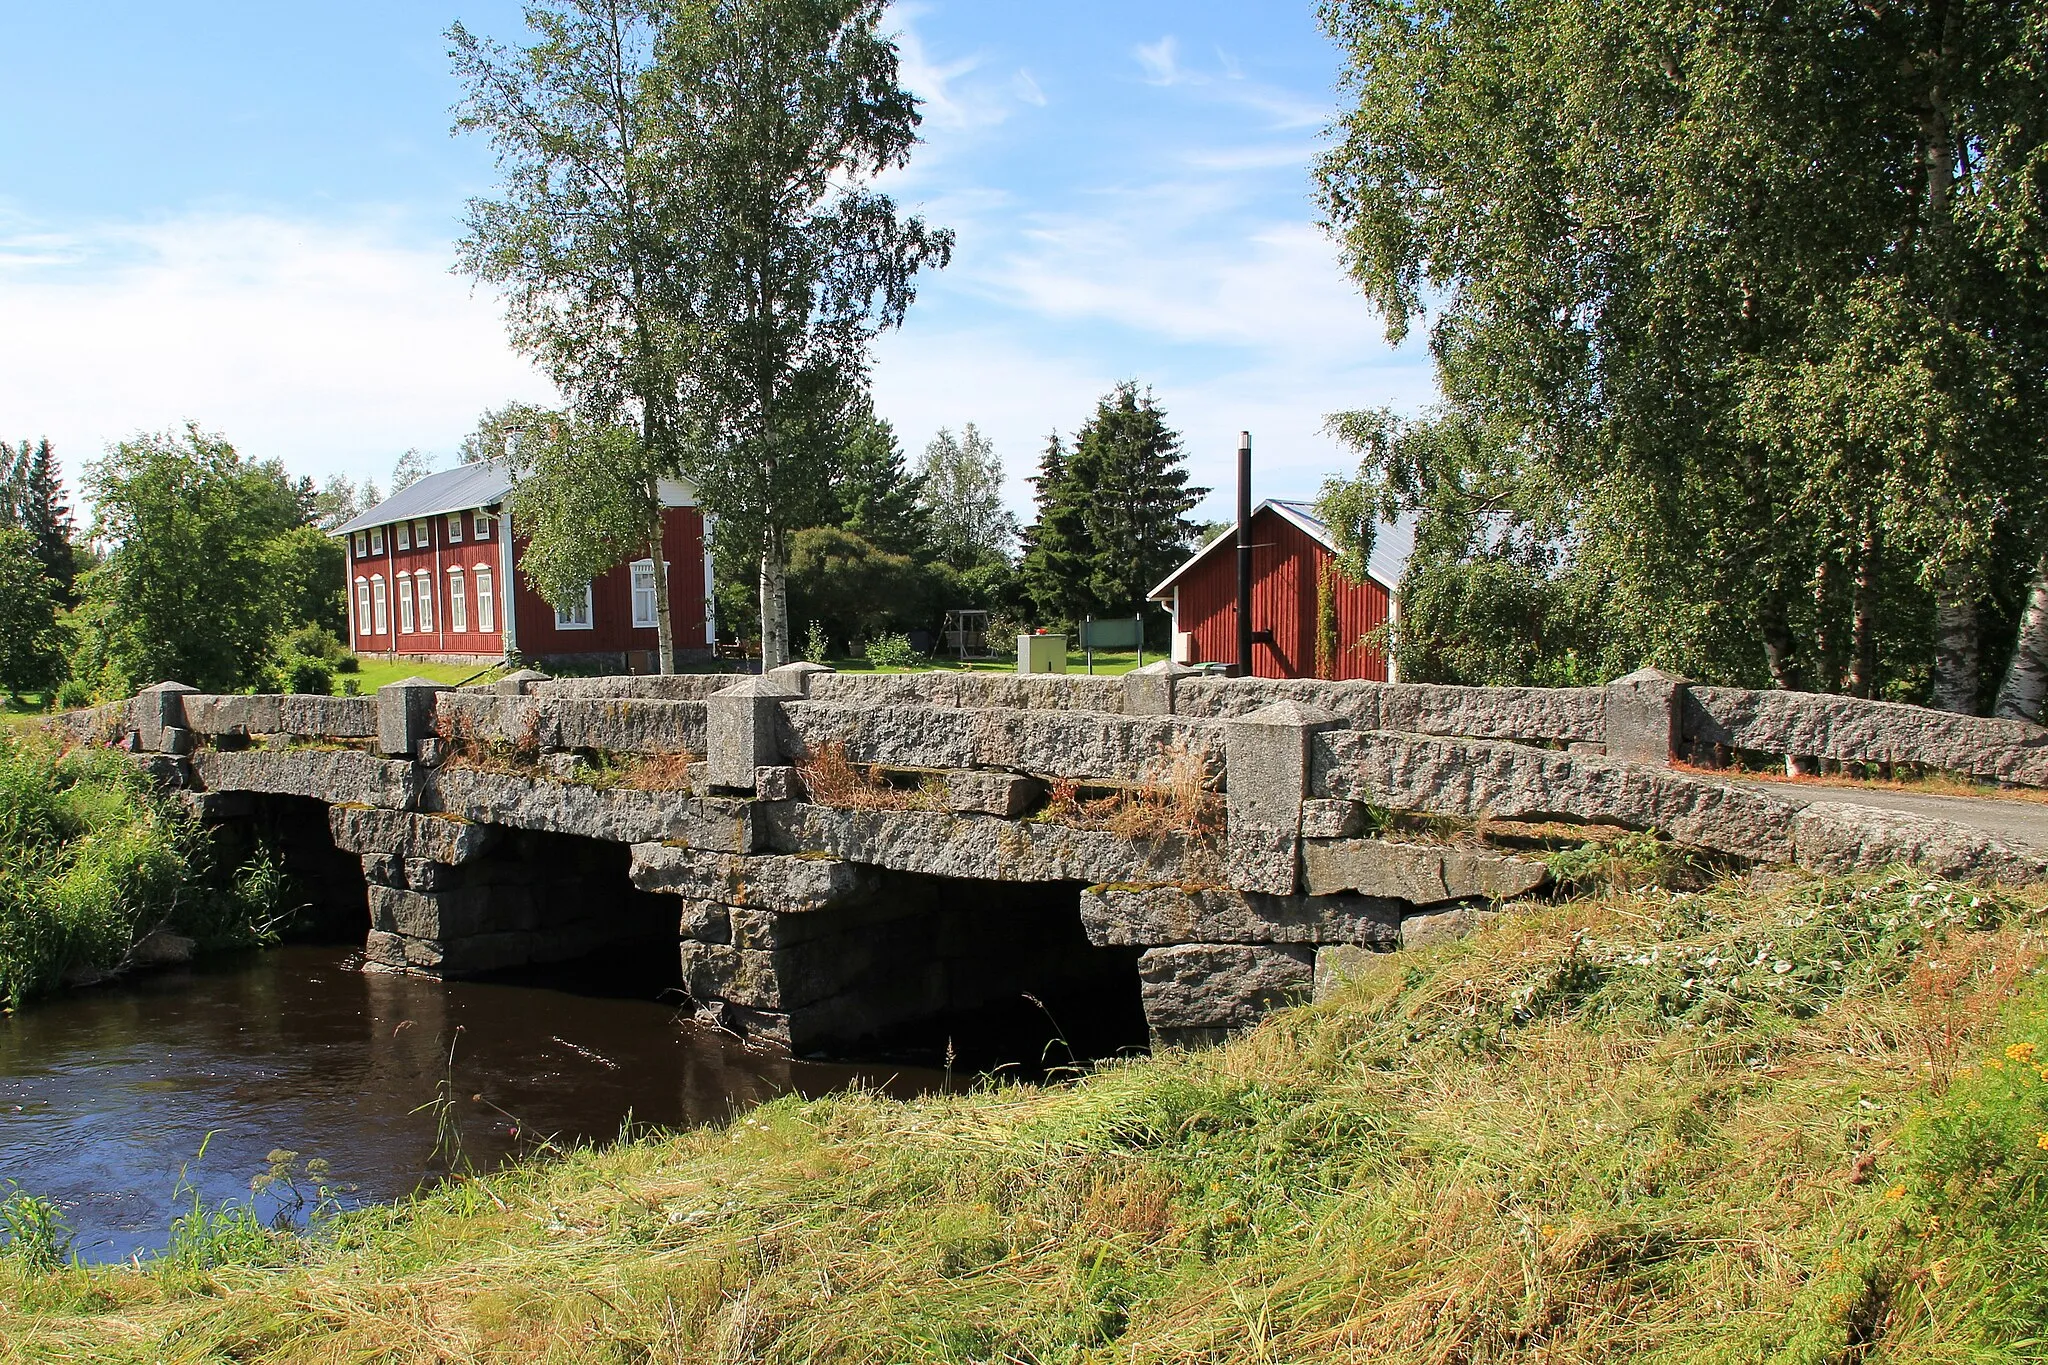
(405, 715)
(797, 676)
(1148, 691)
(1267, 761)
(1645, 717)
(742, 730)
(159, 709)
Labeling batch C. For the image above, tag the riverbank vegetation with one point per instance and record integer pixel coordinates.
(1798, 1121)
(94, 861)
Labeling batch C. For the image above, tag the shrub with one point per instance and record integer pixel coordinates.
(893, 651)
(73, 693)
(817, 647)
(299, 673)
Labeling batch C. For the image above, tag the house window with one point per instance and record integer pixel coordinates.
(403, 532)
(486, 603)
(577, 615)
(405, 604)
(426, 596)
(376, 540)
(645, 614)
(423, 534)
(362, 545)
(481, 524)
(362, 605)
(455, 528)
(458, 603)
(380, 609)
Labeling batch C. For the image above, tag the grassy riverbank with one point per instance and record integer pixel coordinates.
(1793, 1124)
(93, 860)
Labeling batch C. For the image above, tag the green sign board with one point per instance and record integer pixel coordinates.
(1120, 632)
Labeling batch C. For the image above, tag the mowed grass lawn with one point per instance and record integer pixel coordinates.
(376, 672)
(1773, 1120)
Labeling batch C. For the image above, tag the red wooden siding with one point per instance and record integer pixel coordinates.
(611, 601)
(1285, 564)
(435, 558)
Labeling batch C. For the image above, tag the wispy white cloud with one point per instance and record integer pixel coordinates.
(331, 346)
(1161, 65)
(1027, 88)
(1160, 61)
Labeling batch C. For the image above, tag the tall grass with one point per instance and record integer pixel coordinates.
(1790, 1125)
(92, 858)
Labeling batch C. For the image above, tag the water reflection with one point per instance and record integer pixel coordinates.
(105, 1095)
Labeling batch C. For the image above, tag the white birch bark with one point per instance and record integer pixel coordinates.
(774, 608)
(1955, 644)
(2026, 678)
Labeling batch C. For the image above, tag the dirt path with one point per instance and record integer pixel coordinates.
(2021, 821)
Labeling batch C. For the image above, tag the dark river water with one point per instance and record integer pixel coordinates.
(108, 1095)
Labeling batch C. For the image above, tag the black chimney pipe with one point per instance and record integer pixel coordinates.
(1244, 554)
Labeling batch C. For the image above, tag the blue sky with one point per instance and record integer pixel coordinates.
(242, 214)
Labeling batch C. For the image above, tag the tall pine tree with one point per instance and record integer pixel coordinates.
(32, 498)
(1056, 546)
(877, 496)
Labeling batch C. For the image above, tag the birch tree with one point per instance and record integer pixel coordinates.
(584, 240)
(781, 114)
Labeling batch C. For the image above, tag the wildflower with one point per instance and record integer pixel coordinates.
(1898, 1192)
(2042, 1142)
(1993, 1064)
(2020, 1052)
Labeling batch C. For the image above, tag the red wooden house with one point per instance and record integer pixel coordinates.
(1294, 568)
(433, 573)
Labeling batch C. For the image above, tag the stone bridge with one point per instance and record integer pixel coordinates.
(833, 857)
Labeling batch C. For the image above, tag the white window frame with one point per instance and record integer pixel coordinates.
(405, 626)
(362, 604)
(403, 532)
(458, 602)
(380, 606)
(486, 596)
(423, 533)
(652, 620)
(480, 524)
(425, 579)
(569, 620)
(376, 540)
(362, 544)
(455, 528)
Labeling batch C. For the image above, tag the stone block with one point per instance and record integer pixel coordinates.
(1149, 691)
(383, 869)
(793, 885)
(779, 783)
(1322, 818)
(1545, 714)
(1158, 916)
(1269, 753)
(405, 714)
(1221, 985)
(177, 740)
(767, 930)
(1008, 795)
(382, 951)
(630, 725)
(797, 677)
(520, 683)
(1342, 962)
(707, 922)
(1087, 746)
(445, 839)
(447, 915)
(336, 776)
(620, 815)
(741, 976)
(169, 771)
(1262, 860)
(155, 708)
(1421, 874)
(212, 806)
(327, 717)
(743, 728)
(425, 874)
(698, 775)
(1836, 838)
(1428, 928)
(1644, 717)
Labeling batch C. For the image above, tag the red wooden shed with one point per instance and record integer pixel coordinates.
(1294, 569)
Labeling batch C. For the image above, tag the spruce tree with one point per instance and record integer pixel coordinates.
(1057, 549)
(32, 498)
(877, 496)
(1135, 514)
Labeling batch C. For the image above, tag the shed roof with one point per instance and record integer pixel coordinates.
(1384, 566)
(468, 486)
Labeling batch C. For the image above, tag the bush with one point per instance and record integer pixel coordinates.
(93, 858)
(73, 693)
(893, 651)
(298, 673)
(817, 647)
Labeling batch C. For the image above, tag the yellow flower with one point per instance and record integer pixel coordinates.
(1899, 1191)
(1993, 1064)
(2020, 1052)
(2042, 1142)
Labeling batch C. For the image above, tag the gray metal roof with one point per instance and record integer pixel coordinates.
(452, 490)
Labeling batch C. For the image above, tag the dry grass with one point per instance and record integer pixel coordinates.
(1612, 1132)
(1172, 800)
(831, 778)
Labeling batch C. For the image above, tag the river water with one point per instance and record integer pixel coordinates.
(108, 1096)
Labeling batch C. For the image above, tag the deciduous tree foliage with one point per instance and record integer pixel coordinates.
(1738, 312)
(961, 492)
(32, 499)
(209, 560)
(31, 642)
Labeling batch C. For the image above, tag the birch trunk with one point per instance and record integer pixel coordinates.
(774, 604)
(1863, 667)
(664, 617)
(1955, 643)
(2026, 678)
